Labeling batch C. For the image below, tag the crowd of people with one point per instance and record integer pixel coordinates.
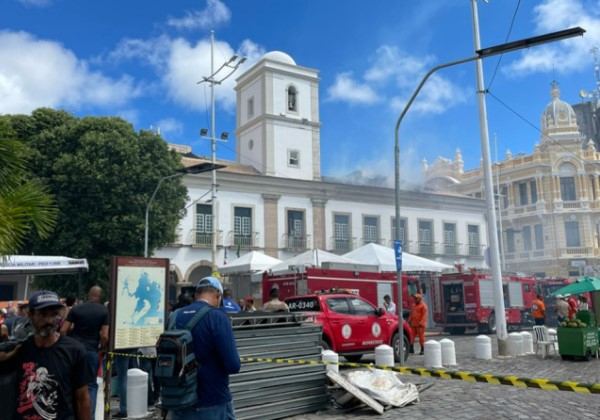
(60, 349)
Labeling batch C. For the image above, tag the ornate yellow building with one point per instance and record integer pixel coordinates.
(549, 201)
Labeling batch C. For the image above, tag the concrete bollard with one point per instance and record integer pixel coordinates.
(331, 357)
(514, 344)
(448, 352)
(137, 393)
(384, 355)
(527, 342)
(99, 414)
(433, 354)
(483, 347)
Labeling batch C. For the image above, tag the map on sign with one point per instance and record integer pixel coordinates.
(141, 296)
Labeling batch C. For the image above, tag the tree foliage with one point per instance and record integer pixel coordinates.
(102, 173)
(25, 205)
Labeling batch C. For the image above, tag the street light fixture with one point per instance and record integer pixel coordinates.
(479, 54)
(230, 66)
(195, 169)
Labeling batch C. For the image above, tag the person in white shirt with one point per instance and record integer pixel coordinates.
(388, 305)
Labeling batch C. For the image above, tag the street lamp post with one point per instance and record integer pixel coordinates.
(195, 169)
(231, 65)
(479, 54)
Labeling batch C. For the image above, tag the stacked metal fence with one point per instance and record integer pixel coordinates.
(265, 390)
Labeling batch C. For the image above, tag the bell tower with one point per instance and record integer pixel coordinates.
(278, 127)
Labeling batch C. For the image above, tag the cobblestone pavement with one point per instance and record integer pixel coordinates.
(450, 398)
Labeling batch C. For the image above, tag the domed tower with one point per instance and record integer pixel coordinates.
(278, 127)
(559, 123)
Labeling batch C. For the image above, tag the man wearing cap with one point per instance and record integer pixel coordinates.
(52, 373)
(418, 320)
(249, 304)
(216, 353)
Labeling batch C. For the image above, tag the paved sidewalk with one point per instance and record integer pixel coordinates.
(449, 398)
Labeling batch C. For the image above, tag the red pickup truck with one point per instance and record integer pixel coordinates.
(352, 326)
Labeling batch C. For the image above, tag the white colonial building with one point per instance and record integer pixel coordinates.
(274, 198)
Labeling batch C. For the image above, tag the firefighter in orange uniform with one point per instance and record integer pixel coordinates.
(418, 320)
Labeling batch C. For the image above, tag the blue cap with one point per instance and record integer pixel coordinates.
(210, 281)
(44, 299)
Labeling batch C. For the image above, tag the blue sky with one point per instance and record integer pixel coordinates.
(141, 60)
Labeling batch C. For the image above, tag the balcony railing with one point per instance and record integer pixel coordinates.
(342, 245)
(475, 250)
(426, 248)
(449, 248)
(296, 243)
(245, 241)
(203, 239)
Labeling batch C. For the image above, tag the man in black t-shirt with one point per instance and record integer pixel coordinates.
(88, 323)
(51, 370)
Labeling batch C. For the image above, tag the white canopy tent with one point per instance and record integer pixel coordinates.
(312, 258)
(385, 258)
(40, 265)
(250, 262)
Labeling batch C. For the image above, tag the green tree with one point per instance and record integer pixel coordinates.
(103, 174)
(25, 205)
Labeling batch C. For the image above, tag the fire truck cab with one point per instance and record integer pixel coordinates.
(464, 300)
(372, 286)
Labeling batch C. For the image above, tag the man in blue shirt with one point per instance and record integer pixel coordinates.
(216, 353)
(229, 305)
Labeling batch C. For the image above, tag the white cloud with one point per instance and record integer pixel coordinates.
(180, 65)
(216, 12)
(563, 56)
(347, 89)
(169, 127)
(395, 71)
(149, 51)
(62, 80)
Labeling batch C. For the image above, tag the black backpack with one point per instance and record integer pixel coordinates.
(176, 365)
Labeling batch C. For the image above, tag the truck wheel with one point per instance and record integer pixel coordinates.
(396, 347)
(491, 325)
(353, 358)
(325, 344)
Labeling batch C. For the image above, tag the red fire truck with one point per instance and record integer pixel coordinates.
(372, 286)
(464, 300)
(546, 286)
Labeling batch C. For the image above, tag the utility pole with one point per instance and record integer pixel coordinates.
(500, 316)
(232, 64)
(213, 158)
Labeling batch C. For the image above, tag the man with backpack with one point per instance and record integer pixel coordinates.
(216, 354)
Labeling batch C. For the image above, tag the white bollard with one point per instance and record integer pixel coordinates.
(137, 393)
(527, 342)
(483, 347)
(433, 354)
(99, 414)
(448, 352)
(514, 344)
(332, 357)
(384, 355)
(553, 338)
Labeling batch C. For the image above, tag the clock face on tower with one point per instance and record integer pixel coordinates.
(562, 115)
